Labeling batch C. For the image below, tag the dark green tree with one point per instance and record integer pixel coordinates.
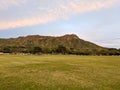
(61, 49)
(6, 50)
(36, 50)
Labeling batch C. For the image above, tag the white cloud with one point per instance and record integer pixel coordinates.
(110, 43)
(5, 4)
(59, 9)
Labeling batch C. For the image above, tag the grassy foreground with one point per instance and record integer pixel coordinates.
(59, 72)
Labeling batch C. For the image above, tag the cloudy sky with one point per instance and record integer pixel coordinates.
(97, 21)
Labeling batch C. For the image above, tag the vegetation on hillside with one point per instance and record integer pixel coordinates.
(67, 44)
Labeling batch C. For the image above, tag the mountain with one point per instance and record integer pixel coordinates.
(70, 42)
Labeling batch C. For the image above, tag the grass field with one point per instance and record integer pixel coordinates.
(59, 72)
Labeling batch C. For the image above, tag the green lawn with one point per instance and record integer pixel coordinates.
(59, 72)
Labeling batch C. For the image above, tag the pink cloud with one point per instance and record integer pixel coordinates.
(61, 11)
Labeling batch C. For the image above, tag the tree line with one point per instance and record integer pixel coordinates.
(60, 49)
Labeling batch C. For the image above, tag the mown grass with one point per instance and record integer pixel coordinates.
(59, 72)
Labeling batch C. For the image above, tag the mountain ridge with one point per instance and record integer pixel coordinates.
(70, 42)
(36, 37)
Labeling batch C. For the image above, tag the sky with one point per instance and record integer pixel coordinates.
(97, 21)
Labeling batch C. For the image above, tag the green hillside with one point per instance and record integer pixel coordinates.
(48, 44)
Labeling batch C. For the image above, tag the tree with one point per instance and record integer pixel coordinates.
(6, 50)
(61, 49)
(36, 50)
(113, 51)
